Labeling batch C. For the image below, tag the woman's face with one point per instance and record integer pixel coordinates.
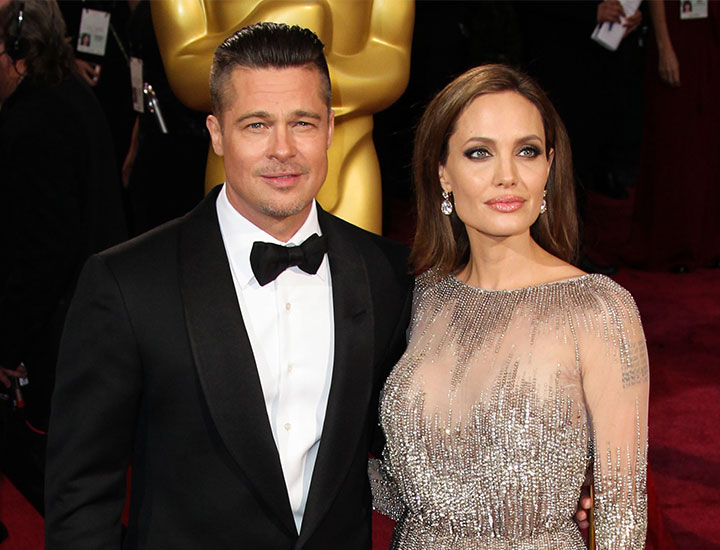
(497, 165)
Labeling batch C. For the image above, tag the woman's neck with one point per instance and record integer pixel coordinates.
(511, 262)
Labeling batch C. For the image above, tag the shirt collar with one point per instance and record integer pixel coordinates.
(239, 234)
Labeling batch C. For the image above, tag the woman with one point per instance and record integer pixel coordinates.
(676, 217)
(521, 370)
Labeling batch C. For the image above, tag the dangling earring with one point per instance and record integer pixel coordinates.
(446, 206)
(543, 204)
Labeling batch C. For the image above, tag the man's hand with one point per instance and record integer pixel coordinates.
(89, 72)
(610, 11)
(6, 374)
(582, 516)
(633, 22)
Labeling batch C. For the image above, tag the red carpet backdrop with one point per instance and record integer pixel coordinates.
(21, 519)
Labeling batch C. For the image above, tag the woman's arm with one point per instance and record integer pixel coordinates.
(668, 65)
(616, 386)
(385, 492)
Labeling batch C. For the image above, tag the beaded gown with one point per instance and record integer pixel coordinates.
(502, 401)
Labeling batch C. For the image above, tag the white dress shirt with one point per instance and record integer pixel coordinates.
(290, 325)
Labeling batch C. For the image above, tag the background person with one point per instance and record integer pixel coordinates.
(59, 191)
(163, 171)
(676, 217)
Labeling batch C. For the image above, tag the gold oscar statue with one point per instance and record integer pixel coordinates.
(367, 43)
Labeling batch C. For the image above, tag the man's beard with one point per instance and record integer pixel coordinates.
(282, 211)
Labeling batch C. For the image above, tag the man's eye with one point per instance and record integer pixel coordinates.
(529, 151)
(477, 153)
(256, 125)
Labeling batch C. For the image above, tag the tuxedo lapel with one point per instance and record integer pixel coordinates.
(352, 377)
(224, 359)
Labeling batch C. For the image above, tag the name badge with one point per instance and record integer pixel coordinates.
(136, 83)
(92, 37)
(693, 9)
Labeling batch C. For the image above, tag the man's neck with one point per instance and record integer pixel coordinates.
(280, 228)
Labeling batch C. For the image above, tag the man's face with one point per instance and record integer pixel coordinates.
(9, 78)
(273, 137)
(8, 74)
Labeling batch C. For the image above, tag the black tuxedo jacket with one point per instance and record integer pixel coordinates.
(156, 369)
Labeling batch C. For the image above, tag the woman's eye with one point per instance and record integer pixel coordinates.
(477, 153)
(529, 151)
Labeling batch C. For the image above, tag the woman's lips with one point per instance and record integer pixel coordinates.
(506, 203)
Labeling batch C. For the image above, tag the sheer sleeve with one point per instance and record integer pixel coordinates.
(385, 492)
(615, 383)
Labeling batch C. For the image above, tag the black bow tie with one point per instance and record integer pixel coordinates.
(268, 260)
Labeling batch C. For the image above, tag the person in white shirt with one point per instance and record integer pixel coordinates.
(234, 356)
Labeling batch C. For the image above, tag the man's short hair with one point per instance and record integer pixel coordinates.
(38, 38)
(263, 46)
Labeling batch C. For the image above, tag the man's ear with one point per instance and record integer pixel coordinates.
(215, 129)
(443, 180)
(331, 127)
(20, 67)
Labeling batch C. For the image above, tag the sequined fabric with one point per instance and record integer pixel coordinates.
(500, 404)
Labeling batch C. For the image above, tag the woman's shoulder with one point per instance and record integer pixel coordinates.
(432, 289)
(606, 290)
(566, 288)
(428, 278)
(592, 294)
(593, 286)
(557, 273)
(432, 281)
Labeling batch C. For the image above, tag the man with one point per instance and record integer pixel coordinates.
(59, 192)
(244, 396)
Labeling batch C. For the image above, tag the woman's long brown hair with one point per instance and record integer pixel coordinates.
(441, 241)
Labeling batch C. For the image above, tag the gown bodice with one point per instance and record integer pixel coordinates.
(500, 404)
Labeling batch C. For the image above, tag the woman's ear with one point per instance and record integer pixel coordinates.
(443, 180)
(551, 158)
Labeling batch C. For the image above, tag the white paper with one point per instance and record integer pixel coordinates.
(609, 35)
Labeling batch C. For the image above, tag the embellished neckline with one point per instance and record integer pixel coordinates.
(579, 278)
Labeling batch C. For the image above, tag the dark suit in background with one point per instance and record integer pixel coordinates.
(156, 346)
(59, 202)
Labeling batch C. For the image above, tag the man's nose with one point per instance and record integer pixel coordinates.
(282, 143)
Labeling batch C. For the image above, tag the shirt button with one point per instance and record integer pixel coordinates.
(287, 306)
(288, 426)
